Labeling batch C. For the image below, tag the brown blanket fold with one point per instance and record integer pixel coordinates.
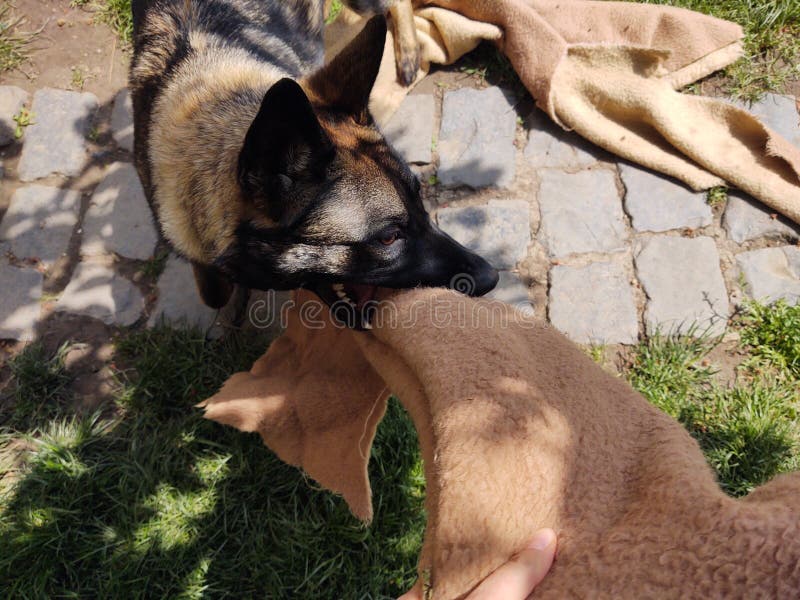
(610, 71)
(519, 429)
(290, 398)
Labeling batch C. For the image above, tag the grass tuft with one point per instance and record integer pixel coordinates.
(746, 433)
(333, 13)
(153, 267)
(669, 371)
(117, 14)
(717, 196)
(13, 43)
(772, 334)
(40, 386)
(749, 431)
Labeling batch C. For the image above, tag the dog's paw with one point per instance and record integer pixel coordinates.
(407, 64)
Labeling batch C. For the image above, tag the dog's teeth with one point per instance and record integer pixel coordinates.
(343, 296)
(338, 287)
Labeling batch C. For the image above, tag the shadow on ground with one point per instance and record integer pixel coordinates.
(159, 502)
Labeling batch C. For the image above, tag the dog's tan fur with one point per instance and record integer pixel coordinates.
(519, 430)
(199, 200)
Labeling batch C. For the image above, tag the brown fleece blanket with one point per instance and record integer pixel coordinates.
(611, 71)
(518, 429)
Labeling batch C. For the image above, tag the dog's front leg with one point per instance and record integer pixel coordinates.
(406, 47)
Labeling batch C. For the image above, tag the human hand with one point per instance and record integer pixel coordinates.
(517, 578)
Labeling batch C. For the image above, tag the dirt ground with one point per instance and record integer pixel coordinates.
(71, 50)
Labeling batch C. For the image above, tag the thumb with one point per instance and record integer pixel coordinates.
(516, 579)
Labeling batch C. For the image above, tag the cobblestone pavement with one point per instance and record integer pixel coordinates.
(605, 250)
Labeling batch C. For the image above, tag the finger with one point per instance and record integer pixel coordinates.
(517, 578)
(415, 593)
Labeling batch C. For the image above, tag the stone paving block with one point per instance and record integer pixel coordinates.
(772, 273)
(747, 219)
(19, 302)
(593, 304)
(684, 285)
(511, 290)
(122, 120)
(97, 291)
(12, 99)
(39, 223)
(549, 146)
(581, 212)
(56, 141)
(779, 113)
(499, 231)
(410, 129)
(178, 299)
(476, 141)
(119, 219)
(658, 203)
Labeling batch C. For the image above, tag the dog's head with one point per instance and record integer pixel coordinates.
(333, 208)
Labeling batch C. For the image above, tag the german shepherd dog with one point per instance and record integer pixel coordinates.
(265, 169)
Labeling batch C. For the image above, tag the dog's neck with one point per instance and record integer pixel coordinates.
(197, 131)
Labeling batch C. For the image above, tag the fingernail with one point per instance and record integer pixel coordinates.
(542, 539)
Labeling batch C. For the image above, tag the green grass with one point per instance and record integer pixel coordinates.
(772, 42)
(749, 431)
(114, 13)
(40, 388)
(153, 267)
(13, 43)
(717, 196)
(489, 65)
(669, 371)
(773, 336)
(336, 8)
(160, 503)
(117, 14)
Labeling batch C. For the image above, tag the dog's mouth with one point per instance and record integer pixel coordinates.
(351, 304)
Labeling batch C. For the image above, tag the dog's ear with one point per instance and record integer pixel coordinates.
(345, 83)
(285, 142)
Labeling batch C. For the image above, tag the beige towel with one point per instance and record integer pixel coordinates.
(611, 71)
(518, 429)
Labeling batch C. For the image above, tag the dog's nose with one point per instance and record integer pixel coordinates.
(477, 278)
(485, 280)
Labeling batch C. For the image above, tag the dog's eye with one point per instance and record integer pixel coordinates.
(389, 238)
